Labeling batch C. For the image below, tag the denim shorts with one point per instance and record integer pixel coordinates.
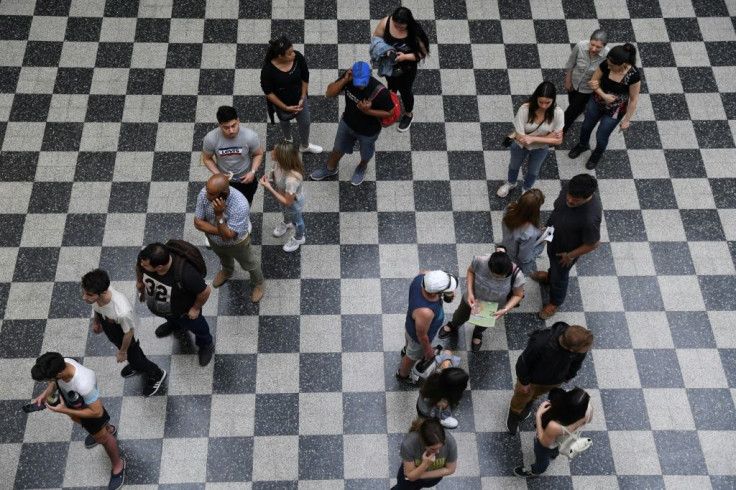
(345, 141)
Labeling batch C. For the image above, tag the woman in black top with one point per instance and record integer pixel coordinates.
(401, 31)
(616, 84)
(285, 81)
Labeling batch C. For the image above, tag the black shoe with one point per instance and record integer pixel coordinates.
(593, 160)
(575, 152)
(405, 123)
(406, 378)
(526, 412)
(205, 354)
(154, 384)
(117, 480)
(444, 334)
(512, 423)
(164, 330)
(128, 371)
(522, 472)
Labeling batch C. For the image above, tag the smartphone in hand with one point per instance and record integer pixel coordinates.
(32, 407)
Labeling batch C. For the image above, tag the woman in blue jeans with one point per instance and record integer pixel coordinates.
(538, 124)
(569, 409)
(287, 176)
(616, 84)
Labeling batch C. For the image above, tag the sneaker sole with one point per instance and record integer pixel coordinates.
(403, 130)
(132, 373)
(158, 385)
(322, 178)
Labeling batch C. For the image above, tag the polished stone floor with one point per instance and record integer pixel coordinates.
(103, 106)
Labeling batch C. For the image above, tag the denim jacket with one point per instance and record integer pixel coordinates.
(380, 56)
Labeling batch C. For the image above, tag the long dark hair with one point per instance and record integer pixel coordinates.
(623, 54)
(547, 90)
(567, 406)
(403, 15)
(449, 384)
(277, 47)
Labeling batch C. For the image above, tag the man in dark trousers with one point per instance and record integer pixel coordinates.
(552, 356)
(365, 105)
(577, 230)
(178, 299)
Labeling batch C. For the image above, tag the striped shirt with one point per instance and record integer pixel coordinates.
(236, 214)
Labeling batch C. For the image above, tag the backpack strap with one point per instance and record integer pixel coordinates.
(514, 274)
(178, 271)
(376, 91)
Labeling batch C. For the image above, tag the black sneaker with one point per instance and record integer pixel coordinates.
(117, 480)
(205, 354)
(593, 160)
(405, 123)
(522, 472)
(164, 330)
(128, 371)
(575, 152)
(512, 423)
(154, 384)
(89, 441)
(526, 413)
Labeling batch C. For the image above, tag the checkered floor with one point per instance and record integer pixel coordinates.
(103, 106)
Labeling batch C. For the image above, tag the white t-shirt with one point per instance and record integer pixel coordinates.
(118, 310)
(291, 182)
(83, 382)
(523, 126)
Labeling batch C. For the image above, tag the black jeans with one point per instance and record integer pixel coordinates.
(248, 190)
(136, 358)
(403, 85)
(577, 103)
(403, 484)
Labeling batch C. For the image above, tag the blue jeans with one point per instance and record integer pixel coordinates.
(536, 159)
(403, 484)
(542, 456)
(593, 114)
(345, 141)
(198, 327)
(559, 278)
(293, 214)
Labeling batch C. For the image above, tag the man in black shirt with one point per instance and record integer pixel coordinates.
(178, 299)
(365, 104)
(577, 221)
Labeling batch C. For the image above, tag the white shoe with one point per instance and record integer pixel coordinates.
(207, 242)
(449, 423)
(294, 243)
(504, 190)
(311, 149)
(281, 229)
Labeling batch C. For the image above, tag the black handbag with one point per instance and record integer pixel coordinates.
(507, 141)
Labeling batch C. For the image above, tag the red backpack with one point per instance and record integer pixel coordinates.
(395, 112)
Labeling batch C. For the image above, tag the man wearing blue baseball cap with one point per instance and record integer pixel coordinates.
(366, 102)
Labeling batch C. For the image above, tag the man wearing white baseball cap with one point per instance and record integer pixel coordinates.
(425, 316)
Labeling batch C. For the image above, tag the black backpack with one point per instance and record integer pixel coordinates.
(186, 252)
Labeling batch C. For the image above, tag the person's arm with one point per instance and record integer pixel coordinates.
(46, 392)
(285, 198)
(139, 279)
(570, 65)
(256, 160)
(123, 351)
(366, 105)
(446, 470)
(199, 301)
(575, 366)
(209, 162)
(470, 280)
(92, 411)
(567, 258)
(422, 319)
(221, 229)
(553, 430)
(380, 27)
(334, 89)
(526, 362)
(634, 90)
(514, 300)
(305, 90)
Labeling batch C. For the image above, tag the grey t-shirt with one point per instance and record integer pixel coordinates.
(412, 450)
(520, 242)
(488, 288)
(232, 154)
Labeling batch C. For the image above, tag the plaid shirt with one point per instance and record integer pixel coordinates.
(236, 214)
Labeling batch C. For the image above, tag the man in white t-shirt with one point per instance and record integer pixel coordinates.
(114, 315)
(80, 400)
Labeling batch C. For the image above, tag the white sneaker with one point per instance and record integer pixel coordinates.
(504, 190)
(449, 423)
(282, 228)
(207, 242)
(311, 149)
(293, 244)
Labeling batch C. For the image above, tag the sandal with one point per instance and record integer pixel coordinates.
(476, 347)
(444, 334)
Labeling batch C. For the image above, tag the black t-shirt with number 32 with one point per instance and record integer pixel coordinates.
(164, 297)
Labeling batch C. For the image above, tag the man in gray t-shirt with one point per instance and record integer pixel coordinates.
(233, 150)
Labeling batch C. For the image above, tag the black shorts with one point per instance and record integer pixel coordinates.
(93, 426)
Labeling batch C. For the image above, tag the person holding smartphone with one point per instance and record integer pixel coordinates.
(428, 454)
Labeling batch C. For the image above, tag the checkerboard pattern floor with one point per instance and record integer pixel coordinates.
(103, 106)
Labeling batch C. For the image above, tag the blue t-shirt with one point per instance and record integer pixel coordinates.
(417, 300)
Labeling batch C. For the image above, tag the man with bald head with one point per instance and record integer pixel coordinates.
(222, 214)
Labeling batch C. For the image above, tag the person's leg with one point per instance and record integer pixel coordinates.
(285, 129)
(559, 277)
(226, 260)
(303, 121)
(520, 399)
(243, 253)
(103, 436)
(414, 352)
(406, 84)
(541, 456)
(138, 361)
(536, 159)
(592, 116)
(345, 139)
(112, 331)
(367, 147)
(576, 106)
(517, 154)
(605, 128)
(461, 315)
(295, 217)
(199, 327)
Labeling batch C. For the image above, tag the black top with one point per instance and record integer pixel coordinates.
(402, 45)
(619, 88)
(163, 295)
(287, 86)
(574, 226)
(354, 117)
(544, 361)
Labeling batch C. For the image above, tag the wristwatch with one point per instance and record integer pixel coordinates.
(221, 221)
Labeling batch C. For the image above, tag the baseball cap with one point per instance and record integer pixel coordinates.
(361, 73)
(439, 282)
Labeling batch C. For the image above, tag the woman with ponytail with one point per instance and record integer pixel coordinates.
(406, 35)
(428, 454)
(285, 81)
(616, 84)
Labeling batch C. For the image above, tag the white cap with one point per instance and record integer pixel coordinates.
(439, 282)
